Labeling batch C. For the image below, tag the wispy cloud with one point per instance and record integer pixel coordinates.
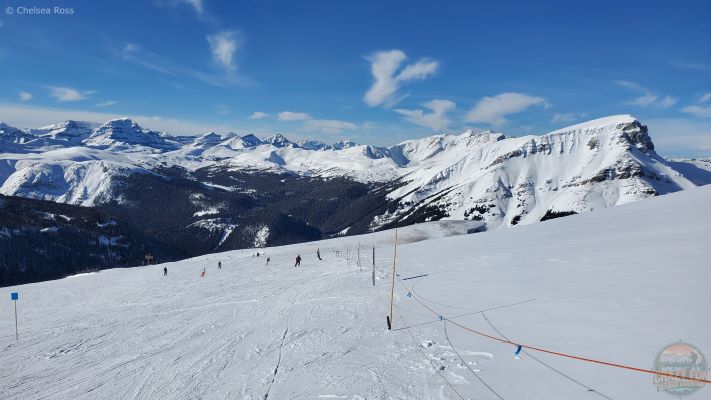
(493, 110)
(64, 94)
(698, 111)
(643, 101)
(647, 97)
(567, 117)
(106, 103)
(692, 65)
(667, 102)
(223, 46)
(293, 116)
(329, 126)
(437, 119)
(258, 115)
(135, 54)
(197, 5)
(384, 66)
(25, 96)
(629, 85)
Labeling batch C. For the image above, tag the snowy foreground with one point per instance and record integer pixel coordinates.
(617, 285)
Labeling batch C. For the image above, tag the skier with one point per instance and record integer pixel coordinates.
(318, 254)
(257, 254)
(219, 264)
(298, 261)
(202, 274)
(165, 271)
(268, 259)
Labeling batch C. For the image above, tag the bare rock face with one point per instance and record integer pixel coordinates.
(637, 135)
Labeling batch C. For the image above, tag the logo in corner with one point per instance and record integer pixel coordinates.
(686, 363)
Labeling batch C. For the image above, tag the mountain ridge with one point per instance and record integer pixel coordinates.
(483, 175)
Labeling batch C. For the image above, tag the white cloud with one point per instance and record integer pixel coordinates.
(699, 111)
(567, 117)
(69, 94)
(23, 116)
(705, 97)
(493, 110)
(644, 100)
(106, 103)
(135, 54)
(293, 116)
(311, 124)
(667, 101)
(629, 85)
(437, 119)
(197, 5)
(258, 115)
(223, 46)
(647, 97)
(384, 66)
(692, 65)
(331, 126)
(25, 96)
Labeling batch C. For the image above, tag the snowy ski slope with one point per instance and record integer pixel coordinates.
(618, 285)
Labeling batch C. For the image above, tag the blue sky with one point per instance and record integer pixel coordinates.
(377, 72)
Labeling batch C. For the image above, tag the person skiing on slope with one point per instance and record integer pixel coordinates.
(318, 254)
(219, 264)
(165, 271)
(298, 261)
(202, 274)
(268, 259)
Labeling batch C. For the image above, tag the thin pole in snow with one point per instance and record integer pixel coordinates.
(373, 256)
(392, 287)
(17, 335)
(359, 266)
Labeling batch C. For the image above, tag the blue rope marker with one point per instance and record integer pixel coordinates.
(441, 318)
(409, 294)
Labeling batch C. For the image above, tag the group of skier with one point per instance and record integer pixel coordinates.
(219, 263)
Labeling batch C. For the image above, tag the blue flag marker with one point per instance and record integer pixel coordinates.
(440, 318)
(14, 296)
(409, 294)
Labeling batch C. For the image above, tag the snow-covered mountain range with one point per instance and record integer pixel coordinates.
(479, 175)
(185, 196)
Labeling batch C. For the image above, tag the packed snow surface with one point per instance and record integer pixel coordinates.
(617, 285)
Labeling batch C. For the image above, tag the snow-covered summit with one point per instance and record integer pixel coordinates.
(123, 133)
(278, 140)
(208, 140)
(69, 130)
(11, 135)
